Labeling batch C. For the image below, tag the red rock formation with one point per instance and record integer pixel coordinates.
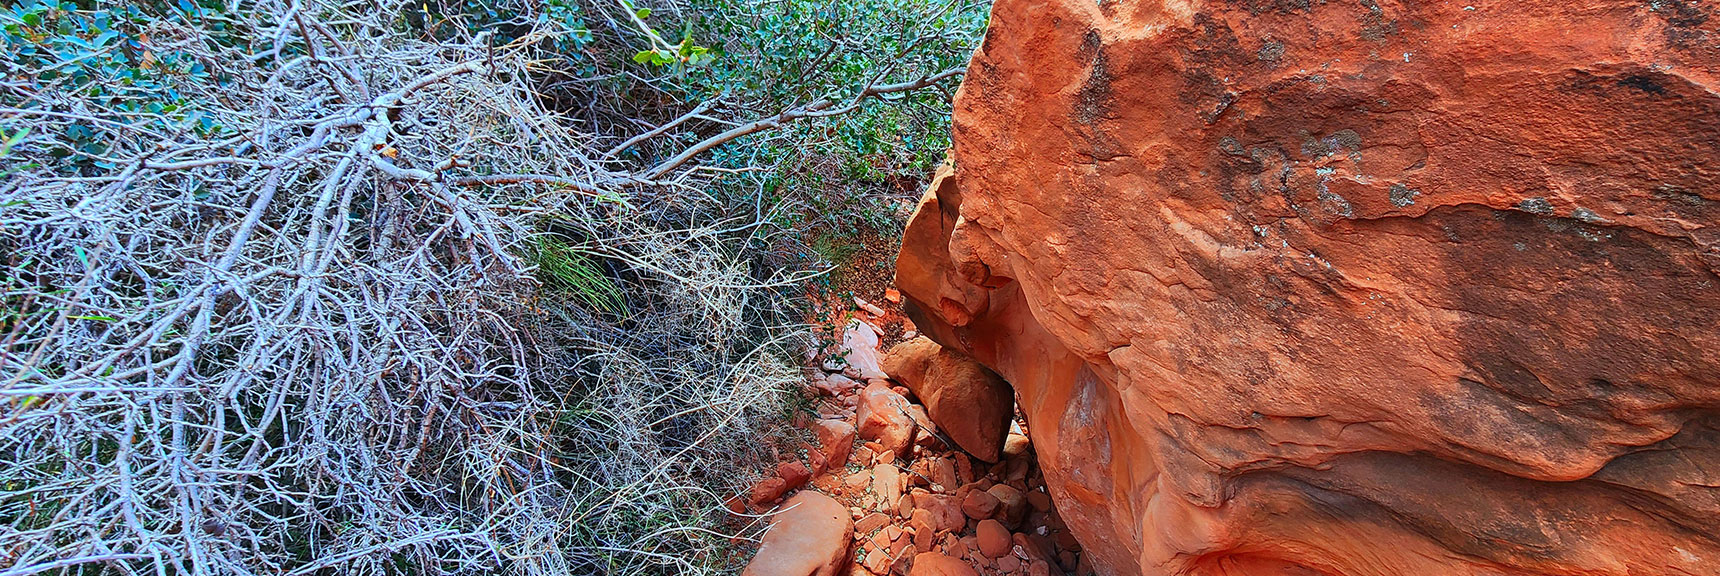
(1359, 288)
(967, 400)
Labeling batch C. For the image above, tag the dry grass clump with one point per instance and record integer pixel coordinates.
(391, 317)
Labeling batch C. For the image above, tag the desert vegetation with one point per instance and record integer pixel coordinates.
(306, 287)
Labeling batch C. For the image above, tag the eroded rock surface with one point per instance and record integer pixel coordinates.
(1357, 288)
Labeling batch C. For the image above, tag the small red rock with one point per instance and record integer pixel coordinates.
(1012, 506)
(925, 536)
(858, 480)
(880, 541)
(933, 564)
(1015, 445)
(878, 561)
(735, 504)
(767, 490)
(860, 351)
(883, 416)
(994, 540)
(1066, 540)
(887, 483)
(871, 522)
(1039, 500)
(979, 505)
(900, 545)
(796, 474)
(925, 517)
(945, 511)
(944, 474)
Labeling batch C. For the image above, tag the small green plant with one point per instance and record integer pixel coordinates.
(563, 267)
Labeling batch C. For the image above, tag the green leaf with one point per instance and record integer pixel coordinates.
(95, 318)
(643, 13)
(13, 140)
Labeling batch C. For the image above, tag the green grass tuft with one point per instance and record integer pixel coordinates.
(563, 267)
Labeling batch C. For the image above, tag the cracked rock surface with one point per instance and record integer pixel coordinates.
(1346, 288)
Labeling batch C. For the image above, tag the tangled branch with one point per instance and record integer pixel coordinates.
(373, 305)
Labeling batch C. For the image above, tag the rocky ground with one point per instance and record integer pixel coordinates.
(910, 471)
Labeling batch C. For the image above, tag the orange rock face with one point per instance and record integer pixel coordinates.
(1347, 288)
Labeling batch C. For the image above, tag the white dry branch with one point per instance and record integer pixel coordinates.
(320, 345)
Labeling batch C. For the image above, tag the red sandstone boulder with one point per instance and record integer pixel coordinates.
(886, 417)
(835, 441)
(1362, 289)
(809, 538)
(966, 400)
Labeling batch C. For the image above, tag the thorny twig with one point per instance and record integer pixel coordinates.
(319, 341)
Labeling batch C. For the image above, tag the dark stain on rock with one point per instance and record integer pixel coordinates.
(1402, 196)
(1375, 25)
(1090, 46)
(1642, 83)
(1684, 24)
(1671, 193)
(1094, 101)
(1537, 206)
(1287, 7)
(1272, 52)
(1680, 13)
(1215, 44)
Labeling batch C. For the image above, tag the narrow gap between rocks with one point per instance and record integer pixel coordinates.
(904, 496)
